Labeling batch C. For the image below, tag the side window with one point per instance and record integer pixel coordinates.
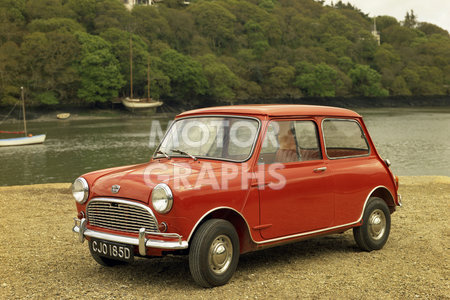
(307, 140)
(344, 138)
(290, 141)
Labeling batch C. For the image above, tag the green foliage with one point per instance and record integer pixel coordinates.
(47, 62)
(222, 81)
(430, 29)
(317, 80)
(366, 82)
(47, 9)
(78, 51)
(99, 70)
(187, 80)
(47, 98)
(47, 25)
(215, 22)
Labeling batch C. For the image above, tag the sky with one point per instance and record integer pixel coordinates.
(432, 11)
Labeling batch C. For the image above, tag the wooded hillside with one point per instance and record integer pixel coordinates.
(221, 51)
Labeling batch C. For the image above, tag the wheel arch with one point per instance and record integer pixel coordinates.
(384, 193)
(236, 219)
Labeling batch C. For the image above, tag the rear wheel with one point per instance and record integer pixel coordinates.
(374, 232)
(214, 253)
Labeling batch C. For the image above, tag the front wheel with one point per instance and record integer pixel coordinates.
(374, 232)
(214, 253)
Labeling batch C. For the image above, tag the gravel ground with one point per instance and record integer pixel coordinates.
(41, 258)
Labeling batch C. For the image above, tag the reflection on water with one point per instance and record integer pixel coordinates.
(74, 147)
(415, 140)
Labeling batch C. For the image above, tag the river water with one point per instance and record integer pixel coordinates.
(416, 141)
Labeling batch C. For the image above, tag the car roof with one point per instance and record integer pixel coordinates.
(273, 110)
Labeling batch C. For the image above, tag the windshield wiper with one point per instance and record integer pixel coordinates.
(184, 152)
(163, 153)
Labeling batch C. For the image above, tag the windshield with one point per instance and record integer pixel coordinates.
(227, 138)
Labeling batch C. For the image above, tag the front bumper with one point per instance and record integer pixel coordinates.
(143, 241)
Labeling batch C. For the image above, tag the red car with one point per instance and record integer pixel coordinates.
(230, 180)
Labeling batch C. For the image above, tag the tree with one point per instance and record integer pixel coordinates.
(399, 87)
(9, 72)
(215, 22)
(366, 82)
(430, 29)
(85, 12)
(112, 14)
(384, 22)
(222, 81)
(410, 20)
(99, 70)
(399, 36)
(12, 20)
(385, 57)
(48, 60)
(52, 24)
(187, 80)
(280, 82)
(47, 9)
(151, 25)
(120, 45)
(317, 80)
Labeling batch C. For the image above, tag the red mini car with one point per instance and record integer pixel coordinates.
(229, 180)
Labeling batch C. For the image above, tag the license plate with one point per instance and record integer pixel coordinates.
(113, 250)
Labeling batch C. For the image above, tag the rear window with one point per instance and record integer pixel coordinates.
(344, 138)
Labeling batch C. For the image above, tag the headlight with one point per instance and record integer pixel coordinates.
(162, 198)
(80, 190)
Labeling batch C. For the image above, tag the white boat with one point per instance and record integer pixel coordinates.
(26, 140)
(145, 105)
(140, 104)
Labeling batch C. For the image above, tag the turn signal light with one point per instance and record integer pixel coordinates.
(80, 215)
(162, 227)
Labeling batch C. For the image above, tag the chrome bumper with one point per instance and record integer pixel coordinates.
(399, 197)
(142, 241)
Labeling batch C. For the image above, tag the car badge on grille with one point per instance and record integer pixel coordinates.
(115, 188)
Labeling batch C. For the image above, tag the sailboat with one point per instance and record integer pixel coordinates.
(140, 104)
(28, 139)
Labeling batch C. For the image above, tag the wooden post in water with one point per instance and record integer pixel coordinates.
(23, 111)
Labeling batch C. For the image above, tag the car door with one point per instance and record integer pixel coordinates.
(352, 164)
(293, 180)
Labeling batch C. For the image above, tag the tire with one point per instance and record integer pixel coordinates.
(214, 253)
(374, 232)
(104, 261)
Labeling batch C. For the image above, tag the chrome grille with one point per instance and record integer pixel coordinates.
(120, 215)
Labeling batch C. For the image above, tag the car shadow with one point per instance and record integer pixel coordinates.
(174, 270)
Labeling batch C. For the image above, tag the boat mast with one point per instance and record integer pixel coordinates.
(23, 111)
(131, 69)
(148, 78)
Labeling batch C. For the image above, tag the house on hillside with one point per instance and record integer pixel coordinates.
(131, 3)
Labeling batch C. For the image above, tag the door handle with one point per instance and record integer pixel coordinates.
(322, 169)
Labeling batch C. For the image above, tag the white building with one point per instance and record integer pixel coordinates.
(130, 3)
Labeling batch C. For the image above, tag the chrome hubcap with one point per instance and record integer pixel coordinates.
(377, 224)
(220, 254)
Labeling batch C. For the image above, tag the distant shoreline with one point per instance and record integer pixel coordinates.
(40, 113)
